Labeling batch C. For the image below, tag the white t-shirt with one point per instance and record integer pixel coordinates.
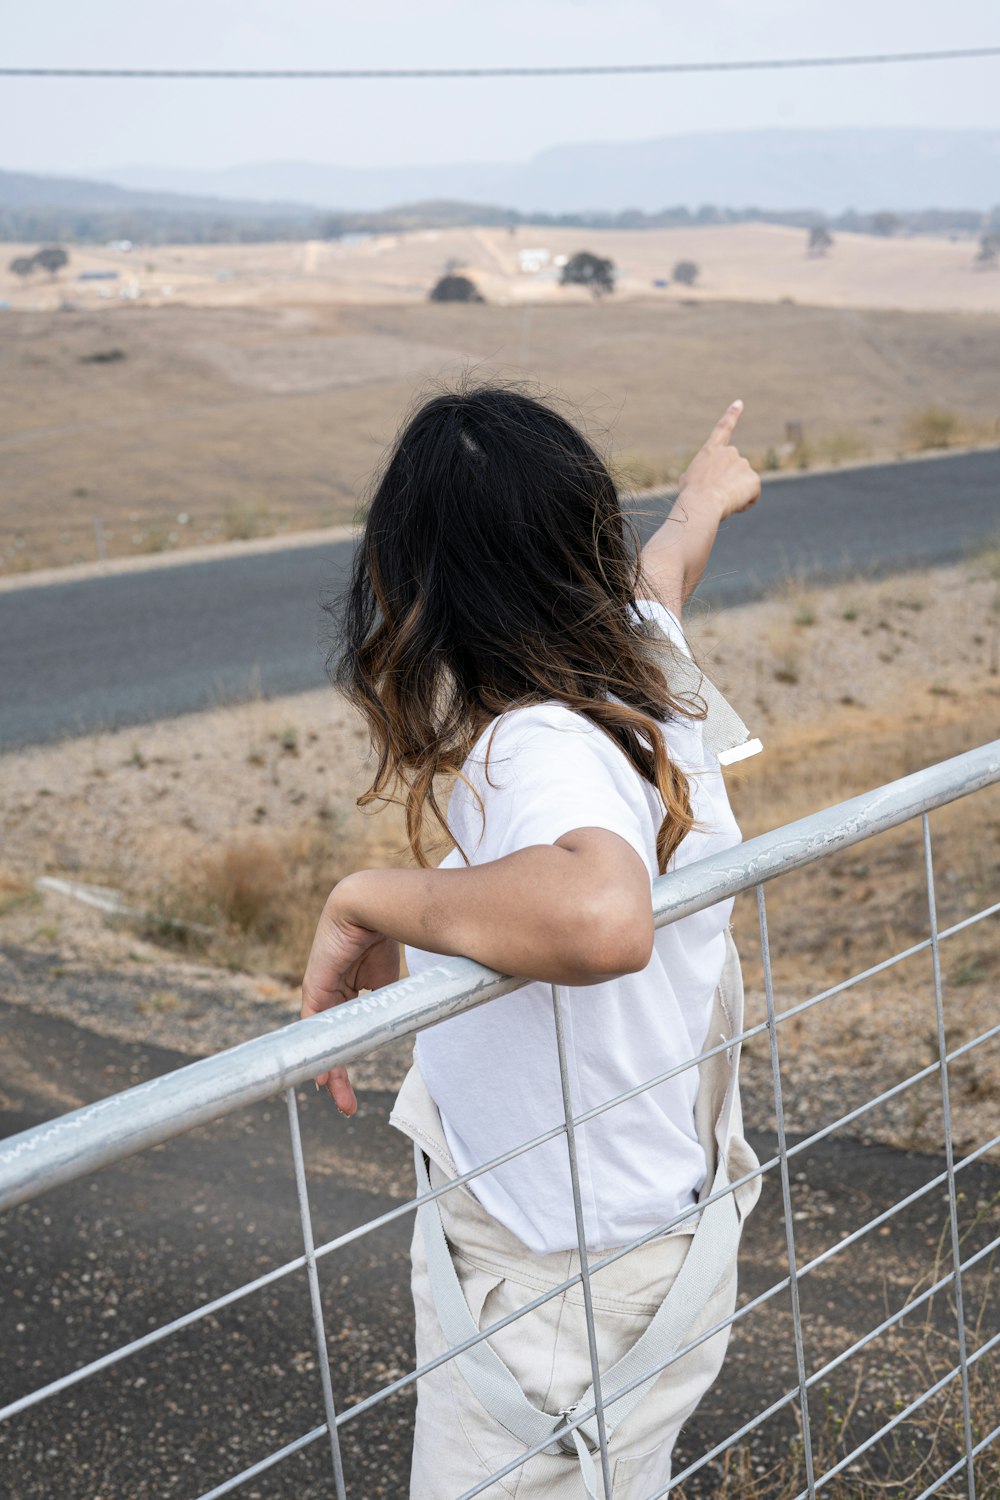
(494, 1072)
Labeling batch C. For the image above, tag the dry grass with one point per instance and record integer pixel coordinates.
(737, 262)
(911, 1358)
(253, 905)
(241, 421)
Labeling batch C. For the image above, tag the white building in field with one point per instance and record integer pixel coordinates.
(534, 260)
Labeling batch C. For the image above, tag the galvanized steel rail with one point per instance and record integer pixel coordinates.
(138, 1118)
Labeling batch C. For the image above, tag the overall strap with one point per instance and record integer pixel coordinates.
(710, 1256)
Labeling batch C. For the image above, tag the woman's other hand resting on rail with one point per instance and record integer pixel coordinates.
(575, 912)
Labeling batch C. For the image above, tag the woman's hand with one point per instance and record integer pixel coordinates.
(720, 472)
(344, 959)
(717, 483)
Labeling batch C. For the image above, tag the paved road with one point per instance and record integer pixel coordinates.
(124, 650)
(95, 1263)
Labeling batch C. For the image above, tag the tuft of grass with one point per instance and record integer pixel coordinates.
(160, 1002)
(15, 892)
(932, 427)
(987, 560)
(846, 1411)
(242, 520)
(253, 904)
(640, 471)
(840, 448)
(103, 357)
(970, 973)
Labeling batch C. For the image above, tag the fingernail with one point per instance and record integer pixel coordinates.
(316, 1082)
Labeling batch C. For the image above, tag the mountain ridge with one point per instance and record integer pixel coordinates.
(828, 170)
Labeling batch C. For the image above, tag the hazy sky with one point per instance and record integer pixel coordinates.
(78, 126)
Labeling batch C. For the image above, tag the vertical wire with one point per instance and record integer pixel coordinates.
(314, 1297)
(949, 1151)
(786, 1195)
(574, 1173)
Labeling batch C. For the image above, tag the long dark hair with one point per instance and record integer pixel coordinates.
(497, 570)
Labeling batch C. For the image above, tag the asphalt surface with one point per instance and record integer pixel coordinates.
(111, 652)
(95, 1263)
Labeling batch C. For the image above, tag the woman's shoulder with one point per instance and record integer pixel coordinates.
(528, 723)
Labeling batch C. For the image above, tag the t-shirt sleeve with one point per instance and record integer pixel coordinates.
(551, 774)
(659, 614)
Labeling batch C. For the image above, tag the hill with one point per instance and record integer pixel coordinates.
(826, 170)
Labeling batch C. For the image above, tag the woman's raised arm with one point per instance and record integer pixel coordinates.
(717, 483)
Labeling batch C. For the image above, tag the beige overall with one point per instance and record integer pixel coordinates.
(457, 1441)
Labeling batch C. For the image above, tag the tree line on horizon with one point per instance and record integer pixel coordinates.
(150, 226)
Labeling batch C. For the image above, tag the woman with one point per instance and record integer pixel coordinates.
(501, 631)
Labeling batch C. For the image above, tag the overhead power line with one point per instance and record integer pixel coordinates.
(745, 65)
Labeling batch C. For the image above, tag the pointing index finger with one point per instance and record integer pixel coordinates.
(725, 426)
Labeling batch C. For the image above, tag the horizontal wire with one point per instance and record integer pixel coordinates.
(570, 70)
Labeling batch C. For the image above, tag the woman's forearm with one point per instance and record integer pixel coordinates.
(545, 912)
(717, 483)
(675, 557)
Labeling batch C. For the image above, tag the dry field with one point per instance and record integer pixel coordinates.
(737, 262)
(187, 424)
(241, 819)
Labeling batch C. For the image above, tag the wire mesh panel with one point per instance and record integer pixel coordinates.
(941, 1408)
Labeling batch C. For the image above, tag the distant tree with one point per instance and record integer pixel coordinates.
(686, 272)
(23, 265)
(885, 224)
(52, 259)
(988, 254)
(591, 271)
(452, 288)
(820, 240)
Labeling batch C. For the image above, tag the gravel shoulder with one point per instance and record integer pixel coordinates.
(846, 686)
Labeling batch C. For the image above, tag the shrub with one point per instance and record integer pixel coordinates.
(932, 427)
(452, 288)
(243, 519)
(591, 271)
